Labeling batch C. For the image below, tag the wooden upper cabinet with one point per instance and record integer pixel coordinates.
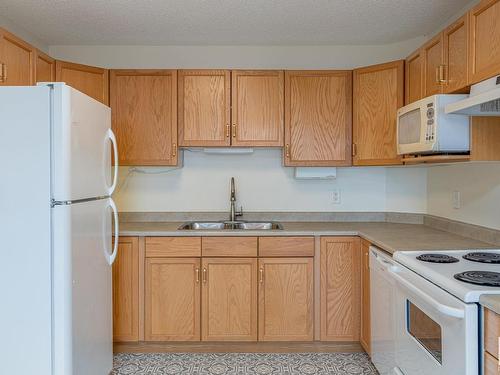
(455, 39)
(484, 54)
(318, 118)
(257, 108)
(144, 116)
(204, 106)
(126, 291)
(17, 61)
(365, 332)
(88, 79)
(413, 77)
(378, 93)
(433, 72)
(45, 68)
(229, 299)
(340, 288)
(172, 299)
(286, 299)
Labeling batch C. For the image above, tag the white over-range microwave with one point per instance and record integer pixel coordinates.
(423, 127)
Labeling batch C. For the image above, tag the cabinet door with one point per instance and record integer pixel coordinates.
(257, 108)
(432, 53)
(229, 299)
(414, 77)
(126, 291)
(455, 55)
(484, 43)
(340, 288)
(318, 118)
(172, 298)
(17, 61)
(204, 107)
(378, 93)
(286, 299)
(365, 336)
(45, 68)
(144, 115)
(87, 79)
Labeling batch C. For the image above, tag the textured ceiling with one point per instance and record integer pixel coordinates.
(259, 22)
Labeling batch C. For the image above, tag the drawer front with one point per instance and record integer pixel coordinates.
(286, 246)
(491, 332)
(229, 246)
(162, 247)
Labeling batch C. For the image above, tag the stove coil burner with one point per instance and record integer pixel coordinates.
(483, 257)
(483, 278)
(437, 258)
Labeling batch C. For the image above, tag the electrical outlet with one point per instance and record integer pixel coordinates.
(456, 198)
(336, 196)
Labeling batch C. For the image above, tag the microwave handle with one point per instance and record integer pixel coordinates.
(444, 309)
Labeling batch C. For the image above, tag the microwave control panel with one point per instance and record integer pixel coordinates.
(430, 133)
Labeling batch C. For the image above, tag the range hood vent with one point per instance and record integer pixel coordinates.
(484, 100)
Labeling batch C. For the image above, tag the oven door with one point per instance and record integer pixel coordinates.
(436, 333)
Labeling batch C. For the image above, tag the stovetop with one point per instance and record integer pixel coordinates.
(462, 273)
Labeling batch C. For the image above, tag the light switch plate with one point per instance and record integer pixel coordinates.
(456, 199)
(336, 196)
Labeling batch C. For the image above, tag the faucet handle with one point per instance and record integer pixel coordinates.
(240, 212)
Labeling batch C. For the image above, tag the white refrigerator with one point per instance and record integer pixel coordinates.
(56, 217)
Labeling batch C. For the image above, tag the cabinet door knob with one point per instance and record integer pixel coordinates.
(354, 149)
(261, 279)
(287, 150)
(228, 130)
(174, 149)
(197, 272)
(234, 130)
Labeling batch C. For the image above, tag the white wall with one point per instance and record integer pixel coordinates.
(479, 185)
(263, 184)
(235, 57)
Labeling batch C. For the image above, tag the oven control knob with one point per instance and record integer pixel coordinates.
(430, 113)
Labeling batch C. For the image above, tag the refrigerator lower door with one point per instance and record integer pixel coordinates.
(81, 143)
(82, 257)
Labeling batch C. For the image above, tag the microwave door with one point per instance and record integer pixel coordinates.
(411, 134)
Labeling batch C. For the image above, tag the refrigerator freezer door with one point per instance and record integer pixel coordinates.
(82, 288)
(81, 146)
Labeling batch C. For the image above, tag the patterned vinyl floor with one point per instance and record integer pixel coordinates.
(243, 364)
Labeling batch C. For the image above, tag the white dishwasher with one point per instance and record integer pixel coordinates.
(382, 307)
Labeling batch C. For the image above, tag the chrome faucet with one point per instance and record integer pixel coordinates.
(234, 214)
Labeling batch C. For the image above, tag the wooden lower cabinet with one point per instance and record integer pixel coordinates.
(340, 288)
(126, 291)
(172, 299)
(491, 365)
(365, 333)
(229, 299)
(286, 299)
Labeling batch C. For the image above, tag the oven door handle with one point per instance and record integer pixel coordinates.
(444, 309)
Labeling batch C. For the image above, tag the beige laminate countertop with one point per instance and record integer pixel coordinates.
(391, 237)
(491, 302)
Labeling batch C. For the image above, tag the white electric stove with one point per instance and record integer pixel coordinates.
(425, 311)
(466, 274)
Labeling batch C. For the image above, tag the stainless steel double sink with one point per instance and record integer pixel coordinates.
(231, 225)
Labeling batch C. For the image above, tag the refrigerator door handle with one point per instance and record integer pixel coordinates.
(112, 257)
(112, 138)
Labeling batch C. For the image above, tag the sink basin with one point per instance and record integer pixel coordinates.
(228, 225)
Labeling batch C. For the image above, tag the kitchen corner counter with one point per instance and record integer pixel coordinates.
(491, 302)
(391, 237)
